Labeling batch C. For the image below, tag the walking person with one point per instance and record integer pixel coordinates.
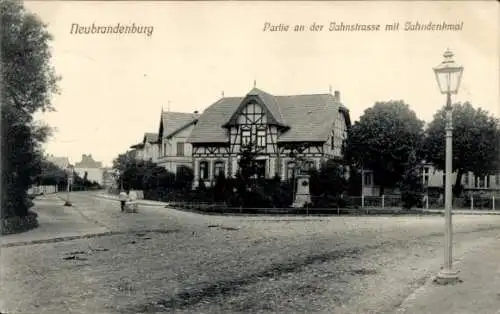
(123, 199)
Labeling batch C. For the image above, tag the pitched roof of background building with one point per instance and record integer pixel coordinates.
(88, 162)
(173, 121)
(150, 137)
(307, 117)
(61, 162)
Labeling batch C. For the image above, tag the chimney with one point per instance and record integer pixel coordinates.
(336, 96)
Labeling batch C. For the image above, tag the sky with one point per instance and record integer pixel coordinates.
(114, 86)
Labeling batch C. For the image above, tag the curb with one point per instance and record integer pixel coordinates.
(61, 239)
(140, 202)
(84, 236)
(429, 281)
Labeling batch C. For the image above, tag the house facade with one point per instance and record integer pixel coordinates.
(173, 148)
(148, 149)
(281, 128)
(488, 184)
(435, 178)
(94, 169)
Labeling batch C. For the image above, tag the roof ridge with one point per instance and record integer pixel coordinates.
(319, 94)
(176, 112)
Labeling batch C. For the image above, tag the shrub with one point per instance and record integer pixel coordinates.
(17, 224)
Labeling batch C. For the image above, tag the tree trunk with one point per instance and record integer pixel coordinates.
(381, 189)
(457, 188)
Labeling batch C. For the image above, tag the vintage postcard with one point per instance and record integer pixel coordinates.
(250, 157)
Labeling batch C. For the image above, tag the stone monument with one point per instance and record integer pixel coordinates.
(303, 194)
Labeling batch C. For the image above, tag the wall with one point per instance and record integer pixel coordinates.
(169, 158)
(93, 174)
(151, 151)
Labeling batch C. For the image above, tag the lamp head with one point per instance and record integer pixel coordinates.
(448, 74)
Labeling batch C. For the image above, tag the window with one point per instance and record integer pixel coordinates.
(482, 182)
(497, 180)
(290, 170)
(261, 168)
(218, 168)
(245, 137)
(164, 149)
(180, 149)
(253, 114)
(425, 175)
(466, 179)
(203, 170)
(261, 138)
(367, 178)
(178, 169)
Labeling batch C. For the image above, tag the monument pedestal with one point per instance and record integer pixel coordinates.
(303, 194)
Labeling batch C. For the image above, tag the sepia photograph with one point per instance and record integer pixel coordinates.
(250, 157)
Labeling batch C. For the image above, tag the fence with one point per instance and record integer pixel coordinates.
(472, 202)
(387, 204)
(43, 189)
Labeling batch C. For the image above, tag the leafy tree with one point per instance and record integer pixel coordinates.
(354, 184)
(28, 82)
(247, 173)
(51, 174)
(476, 142)
(411, 185)
(184, 178)
(120, 164)
(383, 139)
(248, 165)
(328, 184)
(220, 189)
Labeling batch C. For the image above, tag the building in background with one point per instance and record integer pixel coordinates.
(61, 162)
(174, 149)
(148, 149)
(433, 180)
(313, 127)
(94, 169)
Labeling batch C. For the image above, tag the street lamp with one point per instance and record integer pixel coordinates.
(448, 75)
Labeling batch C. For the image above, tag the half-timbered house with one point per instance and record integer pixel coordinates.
(280, 128)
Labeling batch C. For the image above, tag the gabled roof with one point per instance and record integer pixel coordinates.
(173, 121)
(137, 146)
(270, 103)
(209, 128)
(150, 138)
(304, 117)
(61, 162)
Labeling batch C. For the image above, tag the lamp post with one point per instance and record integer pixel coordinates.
(69, 171)
(448, 76)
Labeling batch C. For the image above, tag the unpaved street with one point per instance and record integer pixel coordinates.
(161, 260)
